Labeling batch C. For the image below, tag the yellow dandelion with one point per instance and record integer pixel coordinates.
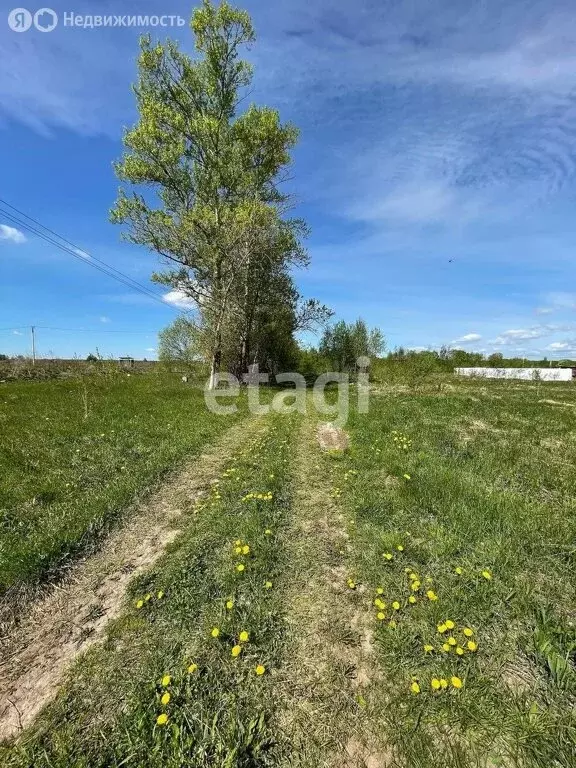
(400, 548)
(192, 668)
(160, 595)
(380, 616)
(238, 543)
(487, 575)
(238, 550)
(166, 680)
(351, 584)
(392, 624)
(413, 576)
(379, 591)
(445, 647)
(388, 556)
(449, 624)
(268, 532)
(415, 688)
(140, 603)
(244, 636)
(268, 585)
(412, 599)
(245, 549)
(407, 476)
(443, 682)
(396, 605)
(441, 628)
(459, 651)
(468, 632)
(229, 604)
(435, 683)
(431, 595)
(260, 669)
(162, 719)
(471, 645)
(165, 698)
(147, 597)
(452, 641)
(415, 586)
(456, 682)
(240, 567)
(236, 650)
(458, 570)
(215, 632)
(428, 648)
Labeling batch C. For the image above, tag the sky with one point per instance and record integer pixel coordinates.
(436, 167)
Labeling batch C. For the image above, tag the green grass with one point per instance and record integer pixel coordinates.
(73, 454)
(491, 489)
(219, 713)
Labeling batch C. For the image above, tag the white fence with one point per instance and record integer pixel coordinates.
(526, 374)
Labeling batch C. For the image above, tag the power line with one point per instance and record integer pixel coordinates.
(73, 249)
(81, 330)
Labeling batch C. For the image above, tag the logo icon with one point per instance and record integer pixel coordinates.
(45, 20)
(19, 20)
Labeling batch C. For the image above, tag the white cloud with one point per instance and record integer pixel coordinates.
(150, 349)
(12, 234)
(179, 299)
(104, 319)
(468, 338)
(544, 310)
(17, 333)
(81, 253)
(520, 334)
(558, 346)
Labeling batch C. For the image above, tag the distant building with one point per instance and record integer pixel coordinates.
(126, 362)
(525, 374)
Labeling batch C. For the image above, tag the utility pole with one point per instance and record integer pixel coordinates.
(32, 329)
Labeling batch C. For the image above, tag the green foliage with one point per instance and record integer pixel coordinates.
(344, 343)
(182, 341)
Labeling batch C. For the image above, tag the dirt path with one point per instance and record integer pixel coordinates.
(73, 616)
(329, 671)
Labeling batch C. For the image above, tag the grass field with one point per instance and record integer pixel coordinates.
(409, 601)
(74, 453)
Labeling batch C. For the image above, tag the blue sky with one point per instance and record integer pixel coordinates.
(436, 167)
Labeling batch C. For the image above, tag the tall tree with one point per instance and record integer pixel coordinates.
(214, 173)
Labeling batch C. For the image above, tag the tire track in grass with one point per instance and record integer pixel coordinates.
(177, 681)
(73, 616)
(328, 671)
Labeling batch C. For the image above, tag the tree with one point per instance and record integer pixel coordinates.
(344, 343)
(215, 173)
(181, 341)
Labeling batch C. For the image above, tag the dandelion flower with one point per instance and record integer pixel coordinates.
(396, 605)
(468, 632)
(192, 668)
(379, 591)
(452, 641)
(415, 586)
(166, 680)
(415, 688)
(428, 648)
(445, 647)
(236, 650)
(449, 624)
(229, 604)
(162, 719)
(351, 584)
(388, 556)
(240, 567)
(238, 543)
(431, 595)
(244, 636)
(458, 570)
(487, 575)
(441, 628)
(380, 616)
(392, 624)
(140, 603)
(435, 683)
(160, 595)
(443, 682)
(260, 669)
(412, 599)
(238, 550)
(215, 632)
(456, 682)
(165, 698)
(407, 476)
(400, 548)
(268, 585)
(471, 645)
(413, 576)
(268, 532)
(245, 549)
(459, 651)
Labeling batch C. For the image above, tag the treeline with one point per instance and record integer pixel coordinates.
(202, 188)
